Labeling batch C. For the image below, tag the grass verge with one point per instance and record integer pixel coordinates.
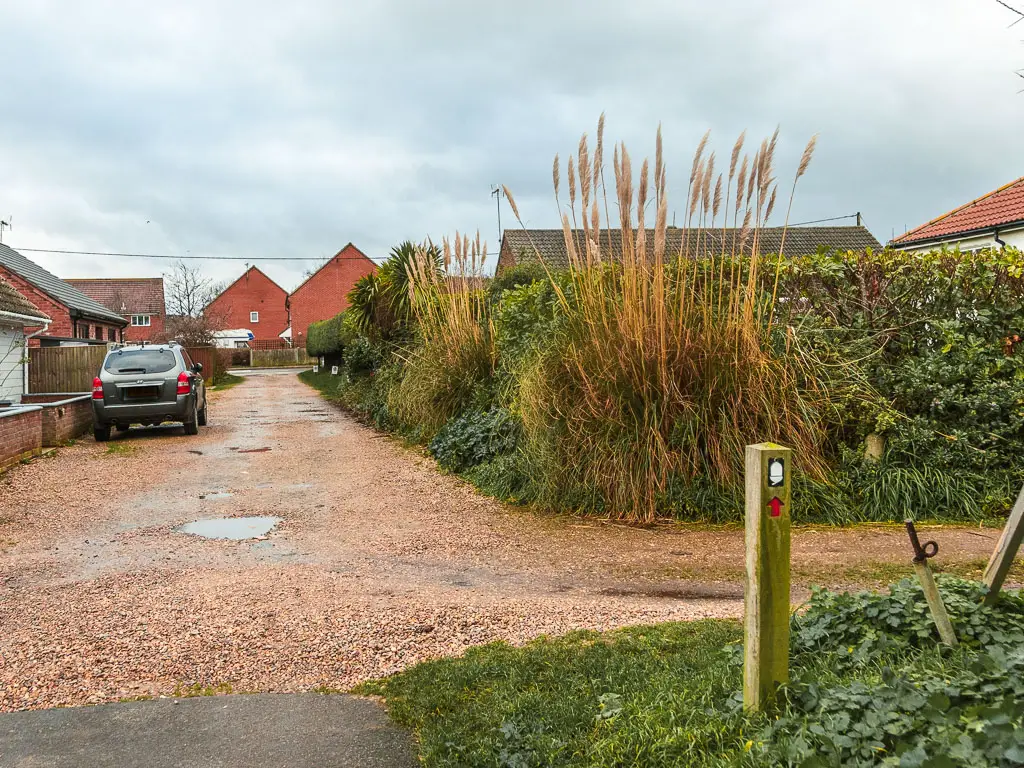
(636, 696)
(870, 685)
(225, 381)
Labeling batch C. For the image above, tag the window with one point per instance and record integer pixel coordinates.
(140, 320)
(140, 361)
(254, 317)
(81, 331)
(111, 334)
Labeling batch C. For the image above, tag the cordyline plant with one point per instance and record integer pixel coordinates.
(670, 361)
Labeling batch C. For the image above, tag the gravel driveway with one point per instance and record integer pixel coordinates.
(379, 560)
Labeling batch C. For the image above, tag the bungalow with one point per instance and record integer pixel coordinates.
(520, 246)
(991, 221)
(325, 293)
(16, 312)
(75, 318)
(253, 302)
(141, 299)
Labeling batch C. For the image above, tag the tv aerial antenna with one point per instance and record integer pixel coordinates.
(5, 224)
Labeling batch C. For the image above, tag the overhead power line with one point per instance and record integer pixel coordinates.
(186, 256)
(834, 218)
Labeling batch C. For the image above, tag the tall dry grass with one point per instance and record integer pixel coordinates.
(456, 350)
(671, 362)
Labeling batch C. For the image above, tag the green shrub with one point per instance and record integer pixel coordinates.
(475, 437)
(509, 279)
(325, 337)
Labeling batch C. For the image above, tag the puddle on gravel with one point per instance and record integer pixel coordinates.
(236, 528)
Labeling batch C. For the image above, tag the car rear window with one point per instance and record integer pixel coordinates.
(140, 361)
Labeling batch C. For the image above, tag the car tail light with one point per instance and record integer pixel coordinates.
(184, 385)
(97, 389)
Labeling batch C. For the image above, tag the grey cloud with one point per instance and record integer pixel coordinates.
(263, 129)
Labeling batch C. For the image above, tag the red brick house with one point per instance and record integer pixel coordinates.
(253, 301)
(74, 317)
(139, 299)
(325, 293)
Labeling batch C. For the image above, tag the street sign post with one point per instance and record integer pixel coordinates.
(766, 617)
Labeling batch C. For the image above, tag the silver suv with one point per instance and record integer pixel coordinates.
(148, 384)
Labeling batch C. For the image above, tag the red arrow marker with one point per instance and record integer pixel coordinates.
(775, 506)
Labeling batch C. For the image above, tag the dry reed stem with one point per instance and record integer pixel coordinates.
(695, 351)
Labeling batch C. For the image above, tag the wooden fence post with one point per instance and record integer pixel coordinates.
(766, 617)
(1005, 551)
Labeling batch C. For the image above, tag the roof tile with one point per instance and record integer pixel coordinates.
(15, 303)
(1002, 206)
(54, 287)
(130, 295)
(800, 241)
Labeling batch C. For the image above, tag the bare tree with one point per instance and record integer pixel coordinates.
(317, 266)
(188, 291)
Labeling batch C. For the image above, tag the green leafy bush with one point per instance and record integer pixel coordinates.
(872, 686)
(474, 437)
(325, 337)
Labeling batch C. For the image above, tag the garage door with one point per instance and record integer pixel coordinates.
(11, 352)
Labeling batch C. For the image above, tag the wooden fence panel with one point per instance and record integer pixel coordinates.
(64, 369)
(210, 358)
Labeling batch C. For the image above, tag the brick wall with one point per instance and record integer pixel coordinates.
(325, 294)
(60, 316)
(156, 331)
(20, 435)
(63, 418)
(252, 292)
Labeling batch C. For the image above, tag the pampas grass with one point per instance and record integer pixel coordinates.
(456, 350)
(667, 366)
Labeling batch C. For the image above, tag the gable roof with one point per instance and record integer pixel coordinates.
(335, 256)
(242, 276)
(14, 303)
(139, 295)
(800, 241)
(54, 287)
(1001, 207)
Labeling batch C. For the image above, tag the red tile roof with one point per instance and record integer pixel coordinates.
(1003, 206)
(138, 295)
(16, 303)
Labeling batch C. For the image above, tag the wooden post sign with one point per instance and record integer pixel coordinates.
(766, 617)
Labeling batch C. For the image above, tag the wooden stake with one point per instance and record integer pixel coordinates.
(766, 618)
(935, 604)
(1005, 551)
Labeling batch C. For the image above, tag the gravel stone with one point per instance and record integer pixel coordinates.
(380, 561)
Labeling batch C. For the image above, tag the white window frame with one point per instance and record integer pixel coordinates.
(254, 317)
(141, 321)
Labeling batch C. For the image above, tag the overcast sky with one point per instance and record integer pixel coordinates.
(258, 129)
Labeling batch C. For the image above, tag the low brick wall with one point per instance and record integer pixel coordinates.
(21, 434)
(65, 415)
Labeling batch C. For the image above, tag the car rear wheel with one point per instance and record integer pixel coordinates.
(201, 416)
(102, 434)
(192, 423)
